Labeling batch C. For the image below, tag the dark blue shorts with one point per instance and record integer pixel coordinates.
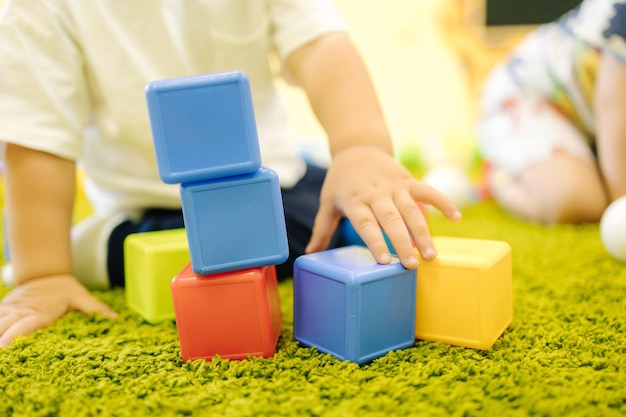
(300, 202)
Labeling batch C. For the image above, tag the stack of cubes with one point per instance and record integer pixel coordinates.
(226, 299)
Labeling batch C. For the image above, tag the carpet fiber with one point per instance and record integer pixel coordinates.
(563, 355)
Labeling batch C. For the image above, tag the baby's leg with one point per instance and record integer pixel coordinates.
(98, 242)
(541, 166)
(562, 189)
(90, 240)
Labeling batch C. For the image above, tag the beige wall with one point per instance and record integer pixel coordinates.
(420, 82)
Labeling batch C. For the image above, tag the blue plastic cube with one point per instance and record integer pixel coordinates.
(235, 222)
(348, 305)
(203, 127)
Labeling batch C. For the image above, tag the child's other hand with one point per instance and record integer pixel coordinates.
(39, 302)
(374, 191)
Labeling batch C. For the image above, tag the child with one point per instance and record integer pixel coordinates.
(553, 131)
(73, 78)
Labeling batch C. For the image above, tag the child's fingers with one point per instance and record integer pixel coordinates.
(89, 304)
(326, 222)
(6, 321)
(367, 227)
(420, 191)
(16, 324)
(417, 227)
(392, 220)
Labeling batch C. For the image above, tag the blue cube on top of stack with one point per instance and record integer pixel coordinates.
(205, 139)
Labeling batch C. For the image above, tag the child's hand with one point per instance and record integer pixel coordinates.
(39, 302)
(375, 191)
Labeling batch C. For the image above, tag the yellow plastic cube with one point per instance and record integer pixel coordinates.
(465, 295)
(151, 261)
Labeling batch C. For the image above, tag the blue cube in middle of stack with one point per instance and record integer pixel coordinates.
(205, 139)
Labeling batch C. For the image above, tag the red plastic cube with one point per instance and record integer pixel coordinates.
(232, 314)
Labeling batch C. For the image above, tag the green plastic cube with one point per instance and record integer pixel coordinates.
(151, 261)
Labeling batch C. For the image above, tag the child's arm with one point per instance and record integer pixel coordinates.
(39, 194)
(610, 106)
(364, 182)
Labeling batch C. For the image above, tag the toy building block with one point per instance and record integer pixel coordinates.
(465, 295)
(235, 223)
(234, 315)
(151, 260)
(348, 305)
(203, 127)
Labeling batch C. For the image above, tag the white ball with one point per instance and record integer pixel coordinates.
(613, 229)
(7, 275)
(453, 182)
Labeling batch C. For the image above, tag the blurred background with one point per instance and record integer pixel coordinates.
(420, 80)
(428, 59)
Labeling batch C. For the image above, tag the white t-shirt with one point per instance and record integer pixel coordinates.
(73, 73)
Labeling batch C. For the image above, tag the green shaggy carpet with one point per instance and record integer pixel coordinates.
(564, 355)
